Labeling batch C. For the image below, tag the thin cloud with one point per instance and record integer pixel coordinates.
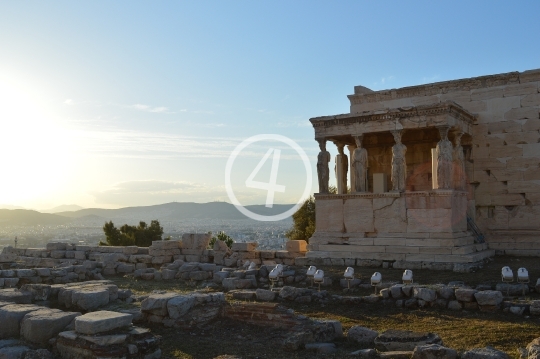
(385, 80)
(121, 143)
(293, 124)
(146, 108)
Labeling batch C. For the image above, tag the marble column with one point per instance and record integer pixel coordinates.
(352, 178)
(323, 170)
(341, 169)
(399, 164)
(459, 178)
(444, 152)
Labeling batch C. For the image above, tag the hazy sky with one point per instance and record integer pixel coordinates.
(117, 103)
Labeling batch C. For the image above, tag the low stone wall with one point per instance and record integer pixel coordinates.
(123, 260)
(10, 278)
(242, 252)
(399, 264)
(262, 314)
(415, 296)
(182, 310)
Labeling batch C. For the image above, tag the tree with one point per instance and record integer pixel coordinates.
(112, 234)
(222, 237)
(140, 236)
(303, 221)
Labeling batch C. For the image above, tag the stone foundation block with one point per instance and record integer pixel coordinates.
(465, 294)
(11, 317)
(15, 296)
(296, 246)
(244, 247)
(101, 321)
(40, 326)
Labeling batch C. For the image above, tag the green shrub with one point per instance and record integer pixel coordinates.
(222, 237)
(140, 236)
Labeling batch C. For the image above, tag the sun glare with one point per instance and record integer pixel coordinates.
(31, 146)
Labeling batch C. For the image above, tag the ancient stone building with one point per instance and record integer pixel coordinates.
(426, 164)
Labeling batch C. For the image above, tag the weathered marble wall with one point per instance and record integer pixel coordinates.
(504, 160)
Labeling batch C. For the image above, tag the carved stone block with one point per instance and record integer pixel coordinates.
(358, 215)
(329, 215)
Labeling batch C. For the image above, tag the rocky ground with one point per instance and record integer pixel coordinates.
(193, 318)
(461, 330)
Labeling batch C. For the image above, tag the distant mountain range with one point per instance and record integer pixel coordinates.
(163, 212)
(9, 206)
(26, 217)
(63, 208)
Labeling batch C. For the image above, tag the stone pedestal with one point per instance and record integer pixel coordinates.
(379, 183)
(424, 226)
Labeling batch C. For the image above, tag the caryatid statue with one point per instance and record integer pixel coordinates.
(360, 163)
(399, 165)
(444, 151)
(323, 171)
(459, 164)
(341, 169)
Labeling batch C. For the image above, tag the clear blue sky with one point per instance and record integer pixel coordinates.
(122, 103)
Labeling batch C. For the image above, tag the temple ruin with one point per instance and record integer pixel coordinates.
(438, 173)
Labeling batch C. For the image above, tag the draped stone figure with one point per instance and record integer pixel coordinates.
(341, 169)
(459, 179)
(399, 165)
(323, 171)
(360, 163)
(444, 151)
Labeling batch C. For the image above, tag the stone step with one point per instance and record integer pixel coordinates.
(473, 248)
(101, 322)
(410, 257)
(488, 253)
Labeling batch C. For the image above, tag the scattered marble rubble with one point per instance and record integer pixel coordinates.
(107, 334)
(188, 261)
(182, 310)
(93, 335)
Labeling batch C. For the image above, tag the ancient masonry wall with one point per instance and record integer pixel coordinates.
(60, 263)
(503, 159)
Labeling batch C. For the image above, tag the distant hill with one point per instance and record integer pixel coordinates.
(9, 206)
(63, 208)
(29, 217)
(177, 210)
(168, 212)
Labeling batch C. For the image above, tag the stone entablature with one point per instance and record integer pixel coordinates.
(438, 88)
(444, 114)
(440, 193)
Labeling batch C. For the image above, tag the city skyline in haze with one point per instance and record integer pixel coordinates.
(115, 104)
